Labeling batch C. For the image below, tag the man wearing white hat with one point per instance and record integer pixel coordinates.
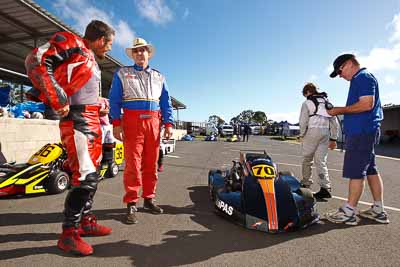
(142, 93)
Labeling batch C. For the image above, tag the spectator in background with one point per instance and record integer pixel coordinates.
(246, 132)
(106, 127)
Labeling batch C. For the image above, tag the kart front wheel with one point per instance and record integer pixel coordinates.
(58, 182)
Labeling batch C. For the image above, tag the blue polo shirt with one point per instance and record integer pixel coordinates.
(363, 83)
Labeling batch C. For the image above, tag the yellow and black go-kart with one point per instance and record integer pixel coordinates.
(113, 157)
(42, 173)
(45, 171)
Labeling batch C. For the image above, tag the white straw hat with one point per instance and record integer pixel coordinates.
(140, 42)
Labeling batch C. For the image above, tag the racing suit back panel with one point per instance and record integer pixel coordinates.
(89, 93)
(59, 68)
(141, 85)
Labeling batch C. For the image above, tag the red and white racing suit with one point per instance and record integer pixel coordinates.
(64, 72)
(143, 96)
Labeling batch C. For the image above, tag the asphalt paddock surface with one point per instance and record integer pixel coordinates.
(190, 233)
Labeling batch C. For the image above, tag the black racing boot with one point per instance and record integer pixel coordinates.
(323, 193)
(131, 214)
(153, 208)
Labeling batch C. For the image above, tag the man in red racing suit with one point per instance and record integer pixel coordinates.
(66, 76)
(142, 93)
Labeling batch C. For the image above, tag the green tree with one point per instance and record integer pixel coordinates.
(216, 120)
(260, 117)
(234, 120)
(246, 116)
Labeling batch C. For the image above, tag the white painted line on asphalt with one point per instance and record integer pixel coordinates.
(172, 156)
(384, 157)
(378, 156)
(297, 156)
(336, 170)
(367, 203)
(272, 154)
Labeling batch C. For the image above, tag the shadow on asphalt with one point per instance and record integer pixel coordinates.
(178, 248)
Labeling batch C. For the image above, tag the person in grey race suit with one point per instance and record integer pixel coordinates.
(318, 132)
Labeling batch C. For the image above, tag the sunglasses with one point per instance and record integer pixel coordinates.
(340, 70)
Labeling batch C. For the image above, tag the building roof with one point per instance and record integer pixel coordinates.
(390, 107)
(25, 25)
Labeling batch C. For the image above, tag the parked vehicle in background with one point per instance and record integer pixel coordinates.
(226, 130)
(256, 129)
(290, 130)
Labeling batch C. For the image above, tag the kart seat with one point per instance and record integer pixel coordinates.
(253, 156)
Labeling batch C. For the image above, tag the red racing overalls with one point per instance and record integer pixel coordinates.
(64, 72)
(143, 96)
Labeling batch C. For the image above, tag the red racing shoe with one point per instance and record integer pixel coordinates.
(71, 241)
(90, 227)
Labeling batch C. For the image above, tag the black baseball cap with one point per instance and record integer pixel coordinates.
(339, 61)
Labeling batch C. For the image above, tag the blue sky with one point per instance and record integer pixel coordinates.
(221, 57)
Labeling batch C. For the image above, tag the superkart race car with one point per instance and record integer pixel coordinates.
(233, 138)
(42, 173)
(113, 157)
(187, 137)
(47, 171)
(253, 194)
(211, 137)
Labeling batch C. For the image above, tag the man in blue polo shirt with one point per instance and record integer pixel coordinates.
(362, 119)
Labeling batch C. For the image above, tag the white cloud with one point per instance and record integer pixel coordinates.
(396, 25)
(385, 58)
(313, 78)
(389, 79)
(72, 9)
(392, 97)
(124, 34)
(156, 11)
(185, 13)
(292, 117)
(382, 58)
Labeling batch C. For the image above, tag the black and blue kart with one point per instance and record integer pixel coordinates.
(211, 137)
(253, 194)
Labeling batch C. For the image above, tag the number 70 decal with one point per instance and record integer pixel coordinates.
(264, 171)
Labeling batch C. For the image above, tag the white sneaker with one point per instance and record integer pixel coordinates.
(339, 216)
(380, 217)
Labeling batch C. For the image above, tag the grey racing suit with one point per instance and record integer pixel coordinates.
(316, 130)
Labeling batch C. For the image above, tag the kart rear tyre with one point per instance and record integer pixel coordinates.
(58, 182)
(112, 170)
